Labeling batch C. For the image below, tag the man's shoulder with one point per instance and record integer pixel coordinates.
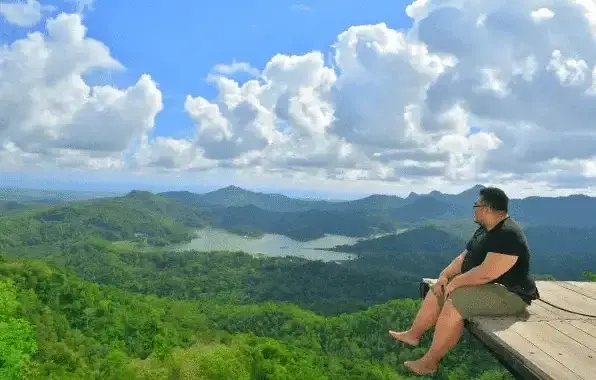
(510, 225)
(479, 231)
(510, 230)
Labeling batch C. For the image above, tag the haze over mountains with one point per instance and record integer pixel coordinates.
(13, 198)
(566, 211)
(235, 196)
(561, 230)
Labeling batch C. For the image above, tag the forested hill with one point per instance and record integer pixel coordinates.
(251, 213)
(120, 218)
(423, 240)
(563, 211)
(56, 326)
(565, 253)
(92, 290)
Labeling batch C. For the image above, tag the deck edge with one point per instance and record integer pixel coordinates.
(520, 367)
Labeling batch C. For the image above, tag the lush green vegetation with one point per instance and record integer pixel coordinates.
(237, 277)
(90, 290)
(121, 218)
(7, 207)
(51, 229)
(64, 328)
(569, 211)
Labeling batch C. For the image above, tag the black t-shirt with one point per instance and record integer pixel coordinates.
(507, 238)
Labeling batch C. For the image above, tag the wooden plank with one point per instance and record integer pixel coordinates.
(589, 286)
(578, 334)
(578, 289)
(546, 312)
(592, 321)
(526, 358)
(572, 354)
(566, 298)
(542, 311)
(588, 327)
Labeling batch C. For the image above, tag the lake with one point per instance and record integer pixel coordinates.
(270, 245)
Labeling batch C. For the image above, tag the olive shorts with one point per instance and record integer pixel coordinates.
(485, 300)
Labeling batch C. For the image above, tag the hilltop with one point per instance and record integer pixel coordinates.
(233, 196)
(236, 196)
(375, 208)
(543, 211)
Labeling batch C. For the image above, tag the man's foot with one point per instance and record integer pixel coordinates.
(422, 367)
(405, 336)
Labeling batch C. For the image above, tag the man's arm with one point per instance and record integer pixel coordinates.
(503, 252)
(493, 266)
(454, 268)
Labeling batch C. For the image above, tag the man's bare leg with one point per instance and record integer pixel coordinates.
(448, 331)
(425, 319)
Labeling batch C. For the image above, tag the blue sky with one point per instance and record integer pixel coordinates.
(402, 116)
(178, 43)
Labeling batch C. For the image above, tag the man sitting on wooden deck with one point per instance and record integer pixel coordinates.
(491, 277)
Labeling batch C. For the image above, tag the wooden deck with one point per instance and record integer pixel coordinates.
(547, 343)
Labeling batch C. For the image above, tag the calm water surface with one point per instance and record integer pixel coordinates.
(270, 245)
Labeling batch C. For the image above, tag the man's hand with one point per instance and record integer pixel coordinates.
(450, 288)
(438, 287)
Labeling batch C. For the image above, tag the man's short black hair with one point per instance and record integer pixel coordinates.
(495, 198)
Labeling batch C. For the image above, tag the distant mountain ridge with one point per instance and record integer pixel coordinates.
(43, 196)
(566, 211)
(437, 227)
(230, 196)
(233, 196)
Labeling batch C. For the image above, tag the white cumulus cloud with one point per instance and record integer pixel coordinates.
(475, 91)
(24, 13)
(49, 115)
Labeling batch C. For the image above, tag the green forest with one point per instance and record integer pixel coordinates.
(91, 290)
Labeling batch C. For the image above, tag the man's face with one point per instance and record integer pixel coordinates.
(479, 210)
